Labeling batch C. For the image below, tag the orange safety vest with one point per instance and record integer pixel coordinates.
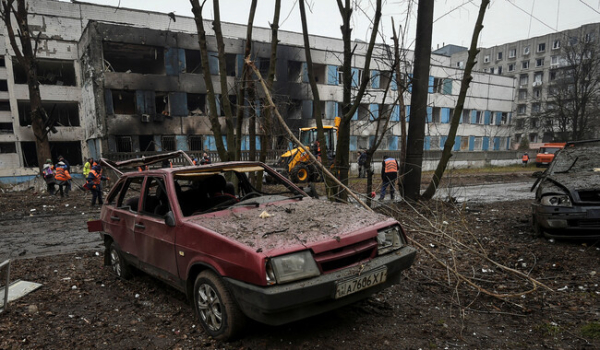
(391, 166)
(525, 158)
(97, 177)
(61, 174)
(142, 169)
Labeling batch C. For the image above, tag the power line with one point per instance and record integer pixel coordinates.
(593, 9)
(532, 16)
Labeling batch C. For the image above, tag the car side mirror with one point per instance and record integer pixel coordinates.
(170, 219)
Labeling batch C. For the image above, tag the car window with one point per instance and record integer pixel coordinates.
(114, 193)
(156, 199)
(577, 159)
(130, 195)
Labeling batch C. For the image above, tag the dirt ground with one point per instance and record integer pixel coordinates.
(83, 305)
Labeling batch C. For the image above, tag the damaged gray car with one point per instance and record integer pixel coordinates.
(567, 194)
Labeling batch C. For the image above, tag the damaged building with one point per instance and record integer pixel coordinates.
(118, 81)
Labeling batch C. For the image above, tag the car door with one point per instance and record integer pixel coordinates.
(156, 240)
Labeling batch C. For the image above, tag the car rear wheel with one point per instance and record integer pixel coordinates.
(217, 311)
(117, 263)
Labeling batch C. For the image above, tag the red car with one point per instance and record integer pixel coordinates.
(241, 248)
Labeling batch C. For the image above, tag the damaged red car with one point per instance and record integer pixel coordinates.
(242, 248)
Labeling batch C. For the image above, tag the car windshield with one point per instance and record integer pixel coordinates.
(549, 150)
(582, 159)
(209, 189)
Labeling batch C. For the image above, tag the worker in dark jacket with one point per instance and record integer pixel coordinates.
(389, 173)
(94, 183)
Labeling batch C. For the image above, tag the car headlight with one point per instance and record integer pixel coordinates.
(388, 239)
(557, 200)
(291, 267)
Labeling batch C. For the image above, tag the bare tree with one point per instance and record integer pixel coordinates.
(572, 108)
(25, 55)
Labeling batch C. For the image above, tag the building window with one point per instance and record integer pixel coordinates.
(541, 47)
(8, 147)
(539, 62)
(535, 108)
(479, 117)
(6, 128)
(499, 70)
(523, 80)
(477, 146)
(526, 50)
(521, 109)
(537, 93)
(548, 122)
(486, 58)
(525, 65)
(435, 143)
(168, 143)
(511, 67)
(538, 77)
(522, 94)
(124, 143)
(491, 70)
(499, 56)
(504, 118)
(552, 75)
(512, 53)
(556, 44)
(195, 143)
(460, 64)
(533, 137)
(589, 37)
(553, 61)
(466, 116)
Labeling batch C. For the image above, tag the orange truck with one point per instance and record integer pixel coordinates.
(546, 153)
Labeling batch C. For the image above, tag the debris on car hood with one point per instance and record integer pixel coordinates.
(301, 222)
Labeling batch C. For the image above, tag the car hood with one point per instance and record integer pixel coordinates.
(301, 222)
(568, 182)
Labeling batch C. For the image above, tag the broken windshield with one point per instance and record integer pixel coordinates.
(577, 159)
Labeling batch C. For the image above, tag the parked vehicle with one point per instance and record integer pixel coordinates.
(546, 153)
(567, 198)
(242, 250)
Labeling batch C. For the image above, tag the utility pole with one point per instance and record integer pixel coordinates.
(418, 101)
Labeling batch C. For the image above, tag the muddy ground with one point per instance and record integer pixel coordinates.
(82, 305)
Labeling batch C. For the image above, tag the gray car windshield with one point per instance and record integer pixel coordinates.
(576, 160)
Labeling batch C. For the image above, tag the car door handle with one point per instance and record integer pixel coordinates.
(140, 226)
(115, 218)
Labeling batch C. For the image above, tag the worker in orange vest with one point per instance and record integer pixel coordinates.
(389, 173)
(94, 184)
(63, 178)
(525, 159)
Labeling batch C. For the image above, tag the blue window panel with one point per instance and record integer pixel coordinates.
(157, 142)
(355, 116)
(181, 142)
(409, 82)
(257, 108)
(140, 97)
(374, 109)
(209, 143)
(443, 141)
(182, 64)
(427, 143)
(471, 143)
(213, 63)
(375, 79)
(509, 118)
(429, 114)
(486, 143)
(108, 102)
(371, 141)
(246, 143)
(239, 62)
(330, 109)
(307, 109)
(353, 143)
(224, 138)
(332, 75)
(395, 117)
(178, 104)
(355, 77)
(394, 84)
(393, 143)
(498, 118)
(496, 143)
(446, 115)
(305, 72)
(172, 59)
(487, 117)
(430, 85)
(218, 103)
(408, 113)
(508, 142)
(447, 88)
(456, 143)
(473, 116)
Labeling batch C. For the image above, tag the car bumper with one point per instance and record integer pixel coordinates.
(573, 222)
(280, 304)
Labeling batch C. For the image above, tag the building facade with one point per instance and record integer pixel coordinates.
(122, 81)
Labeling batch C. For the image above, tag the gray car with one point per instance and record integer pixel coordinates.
(567, 194)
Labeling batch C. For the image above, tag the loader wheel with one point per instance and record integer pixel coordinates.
(300, 174)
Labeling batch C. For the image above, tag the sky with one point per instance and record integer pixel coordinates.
(505, 20)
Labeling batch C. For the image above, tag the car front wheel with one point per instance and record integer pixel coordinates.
(117, 263)
(217, 311)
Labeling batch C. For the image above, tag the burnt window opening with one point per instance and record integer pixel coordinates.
(8, 147)
(168, 143)
(123, 102)
(193, 62)
(147, 143)
(70, 150)
(231, 63)
(161, 102)
(133, 58)
(6, 128)
(195, 143)
(196, 104)
(124, 143)
(4, 105)
(61, 113)
(2, 62)
(3, 85)
(49, 72)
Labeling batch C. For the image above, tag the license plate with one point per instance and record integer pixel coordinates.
(358, 283)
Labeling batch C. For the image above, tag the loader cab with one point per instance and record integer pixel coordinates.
(309, 135)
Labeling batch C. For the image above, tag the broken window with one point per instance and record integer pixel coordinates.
(70, 150)
(8, 147)
(466, 116)
(196, 104)
(2, 63)
(124, 143)
(193, 62)
(6, 128)
(295, 72)
(195, 143)
(4, 105)
(123, 102)
(168, 143)
(49, 72)
(133, 58)
(294, 109)
(61, 113)
(161, 101)
(231, 63)
(147, 143)
(3, 85)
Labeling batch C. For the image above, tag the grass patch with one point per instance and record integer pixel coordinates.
(549, 329)
(591, 330)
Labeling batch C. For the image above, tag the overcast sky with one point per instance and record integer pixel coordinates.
(505, 20)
